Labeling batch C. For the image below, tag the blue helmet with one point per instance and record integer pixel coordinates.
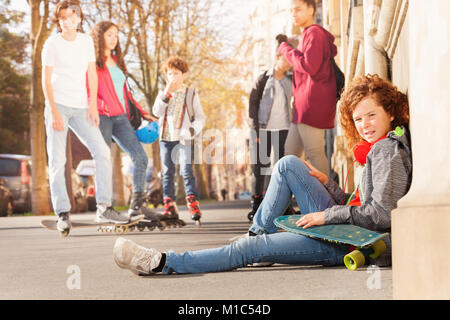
(148, 132)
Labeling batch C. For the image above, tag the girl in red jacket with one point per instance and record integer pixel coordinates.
(314, 86)
(113, 106)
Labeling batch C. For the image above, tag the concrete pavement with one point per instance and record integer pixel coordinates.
(38, 264)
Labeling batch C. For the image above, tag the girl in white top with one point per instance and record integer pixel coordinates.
(66, 57)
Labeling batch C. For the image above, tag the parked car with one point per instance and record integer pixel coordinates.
(6, 200)
(86, 172)
(245, 195)
(15, 170)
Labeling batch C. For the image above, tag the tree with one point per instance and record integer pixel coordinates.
(40, 31)
(151, 31)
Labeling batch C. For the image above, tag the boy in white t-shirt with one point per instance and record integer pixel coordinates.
(66, 57)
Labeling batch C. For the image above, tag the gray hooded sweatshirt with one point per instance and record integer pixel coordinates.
(385, 179)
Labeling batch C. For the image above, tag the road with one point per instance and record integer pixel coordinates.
(38, 264)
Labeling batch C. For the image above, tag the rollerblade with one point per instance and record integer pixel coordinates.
(151, 220)
(194, 209)
(256, 201)
(170, 215)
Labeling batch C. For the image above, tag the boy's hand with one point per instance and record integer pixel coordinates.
(173, 85)
(57, 122)
(322, 177)
(149, 118)
(92, 114)
(312, 219)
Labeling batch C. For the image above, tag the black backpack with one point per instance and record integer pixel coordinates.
(340, 79)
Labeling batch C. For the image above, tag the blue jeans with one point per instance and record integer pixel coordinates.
(90, 136)
(119, 128)
(173, 152)
(290, 176)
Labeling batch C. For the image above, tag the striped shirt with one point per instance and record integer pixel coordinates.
(173, 115)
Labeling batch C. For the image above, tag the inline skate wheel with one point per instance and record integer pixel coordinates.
(121, 229)
(162, 225)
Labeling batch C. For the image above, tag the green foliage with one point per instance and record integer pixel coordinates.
(14, 89)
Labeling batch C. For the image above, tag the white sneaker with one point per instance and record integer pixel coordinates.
(63, 224)
(140, 260)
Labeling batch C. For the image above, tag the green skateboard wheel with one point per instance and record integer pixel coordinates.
(354, 260)
(378, 248)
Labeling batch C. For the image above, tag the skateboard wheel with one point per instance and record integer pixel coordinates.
(65, 233)
(378, 248)
(131, 228)
(354, 260)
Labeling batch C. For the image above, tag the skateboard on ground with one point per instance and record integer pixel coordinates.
(367, 243)
(101, 226)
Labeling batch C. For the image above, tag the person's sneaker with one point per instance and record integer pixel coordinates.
(109, 215)
(137, 259)
(63, 224)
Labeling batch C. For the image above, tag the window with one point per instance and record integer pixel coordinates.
(9, 167)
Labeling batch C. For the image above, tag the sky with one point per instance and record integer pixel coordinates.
(19, 5)
(234, 22)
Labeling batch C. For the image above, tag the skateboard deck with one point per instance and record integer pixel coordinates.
(111, 227)
(368, 243)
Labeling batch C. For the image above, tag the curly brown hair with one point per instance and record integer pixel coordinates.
(66, 4)
(175, 62)
(97, 34)
(394, 102)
